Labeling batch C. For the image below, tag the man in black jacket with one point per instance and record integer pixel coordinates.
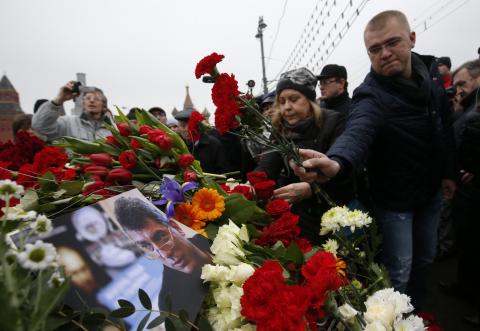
(208, 149)
(400, 126)
(333, 86)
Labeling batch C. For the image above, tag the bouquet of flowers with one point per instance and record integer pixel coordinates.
(237, 110)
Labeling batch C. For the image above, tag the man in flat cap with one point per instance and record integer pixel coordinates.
(333, 86)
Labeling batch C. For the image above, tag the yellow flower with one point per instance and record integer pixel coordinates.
(208, 204)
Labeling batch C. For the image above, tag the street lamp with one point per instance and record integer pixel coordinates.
(261, 26)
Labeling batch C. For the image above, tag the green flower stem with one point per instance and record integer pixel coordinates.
(207, 174)
(38, 296)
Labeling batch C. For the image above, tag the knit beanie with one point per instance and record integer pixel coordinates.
(301, 80)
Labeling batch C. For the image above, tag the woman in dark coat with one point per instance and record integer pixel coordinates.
(298, 117)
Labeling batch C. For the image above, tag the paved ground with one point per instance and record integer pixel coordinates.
(448, 310)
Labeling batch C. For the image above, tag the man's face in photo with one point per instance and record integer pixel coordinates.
(167, 243)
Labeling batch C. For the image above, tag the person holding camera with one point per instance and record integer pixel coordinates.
(52, 122)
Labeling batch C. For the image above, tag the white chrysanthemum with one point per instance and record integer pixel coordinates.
(17, 214)
(56, 280)
(42, 225)
(331, 246)
(411, 323)
(339, 217)
(9, 189)
(37, 256)
(357, 219)
(215, 273)
(332, 220)
(347, 312)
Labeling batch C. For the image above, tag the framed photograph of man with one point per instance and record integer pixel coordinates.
(118, 245)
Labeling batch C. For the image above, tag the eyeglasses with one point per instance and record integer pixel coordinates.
(324, 82)
(156, 244)
(389, 44)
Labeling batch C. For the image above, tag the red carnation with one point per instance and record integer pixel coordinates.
(111, 140)
(194, 121)
(207, 64)
(27, 175)
(256, 176)
(224, 94)
(119, 176)
(124, 129)
(245, 190)
(264, 190)
(49, 157)
(284, 229)
(4, 173)
(277, 207)
(101, 159)
(185, 160)
(225, 121)
(189, 176)
(128, 159)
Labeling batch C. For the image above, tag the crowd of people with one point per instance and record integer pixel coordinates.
(405, 147)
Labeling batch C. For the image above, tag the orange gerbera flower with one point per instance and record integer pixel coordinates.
(341, 266)
(184, 214)
(208, 204)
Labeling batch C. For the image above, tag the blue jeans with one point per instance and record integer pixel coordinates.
(409, 245)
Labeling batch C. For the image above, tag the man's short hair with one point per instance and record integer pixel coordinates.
(21, 122)
(380, 20)
(132, 213)
(154, 110)
(473, 68)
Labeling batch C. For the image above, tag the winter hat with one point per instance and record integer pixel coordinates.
(301, 80)
(445, 60)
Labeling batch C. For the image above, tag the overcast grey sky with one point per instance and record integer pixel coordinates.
(143, 53)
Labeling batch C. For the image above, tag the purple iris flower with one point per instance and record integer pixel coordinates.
(172, 192)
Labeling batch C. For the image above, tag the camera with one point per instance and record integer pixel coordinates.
(76, 88)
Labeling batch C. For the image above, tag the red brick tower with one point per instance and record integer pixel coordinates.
(9, 107)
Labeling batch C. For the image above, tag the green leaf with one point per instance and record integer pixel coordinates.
(203, 324)
(157, 321)
(212, 230)
(144, 299)
(143, 322)
(79, 146)
(122, 312)
(72, 187)
(125, 304)
(169, 325)
(294, 254)
(48, 183)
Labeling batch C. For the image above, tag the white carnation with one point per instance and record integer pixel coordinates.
(215, 273)
(411, 323)
(375, 326)
(227, 245)
(240, 273)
